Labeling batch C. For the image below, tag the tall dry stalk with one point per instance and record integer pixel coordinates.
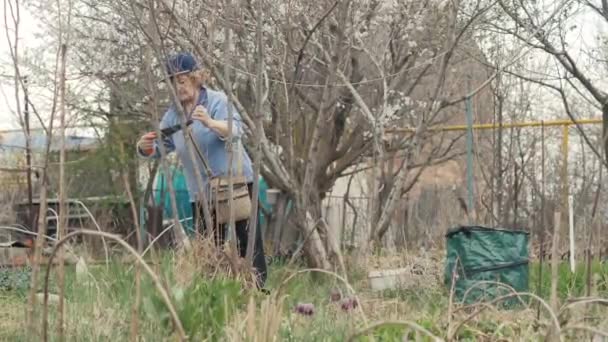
(152, 88)
(134, 331)
(42, 225)
(258, 325)
(155, 36)
(28, 154)
(591, 230)
(42, 222)
(555, 261)
(451, 297)
(230, 140)
(135, 309)
(257, 136)
(63, 209)
(13, 9)
(542, 218)
(62, 221)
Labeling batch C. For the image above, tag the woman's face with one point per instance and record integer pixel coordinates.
(185, 88)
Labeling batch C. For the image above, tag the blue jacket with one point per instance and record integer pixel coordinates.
(209, 143)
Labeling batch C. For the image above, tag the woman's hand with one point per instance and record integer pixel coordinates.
(218, 126)
(146, 143)
(200, 114)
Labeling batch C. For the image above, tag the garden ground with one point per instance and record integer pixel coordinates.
(214, 307)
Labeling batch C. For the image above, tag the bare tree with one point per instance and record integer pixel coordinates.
(13, 9)
(572, 79)
(334, 80)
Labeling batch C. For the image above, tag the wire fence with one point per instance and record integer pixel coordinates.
(418, 222)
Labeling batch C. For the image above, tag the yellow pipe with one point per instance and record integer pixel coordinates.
(563, 122)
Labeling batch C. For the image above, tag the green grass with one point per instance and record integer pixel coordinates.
(569, 285)
(100, 309)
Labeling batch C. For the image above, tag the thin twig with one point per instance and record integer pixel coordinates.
(259, 127)
(580, 301)
(135, 309)
(62, 221)
(42, 222)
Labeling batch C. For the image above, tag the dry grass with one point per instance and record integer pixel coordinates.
(204, 258)
(100, 308)
(259, 323)
(424, 270)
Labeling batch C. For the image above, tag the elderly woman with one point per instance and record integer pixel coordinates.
(208, 110)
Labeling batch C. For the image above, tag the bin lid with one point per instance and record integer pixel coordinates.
(467, 229)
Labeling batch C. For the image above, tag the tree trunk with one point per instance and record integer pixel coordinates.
(313, 244)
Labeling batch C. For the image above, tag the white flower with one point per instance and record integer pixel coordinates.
(407, 101)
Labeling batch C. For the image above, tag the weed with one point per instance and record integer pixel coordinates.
(15, 279)
(204, 307)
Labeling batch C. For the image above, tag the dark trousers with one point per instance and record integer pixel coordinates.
(242, 235)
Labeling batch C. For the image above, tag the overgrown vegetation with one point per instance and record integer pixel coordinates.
(214, 308)
(329, 92)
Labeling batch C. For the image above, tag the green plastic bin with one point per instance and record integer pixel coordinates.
(477, 255)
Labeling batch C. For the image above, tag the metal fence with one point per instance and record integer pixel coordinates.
(418, 222)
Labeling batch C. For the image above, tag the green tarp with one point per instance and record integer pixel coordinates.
(476, 254)
(161, 193)
(263, 202)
